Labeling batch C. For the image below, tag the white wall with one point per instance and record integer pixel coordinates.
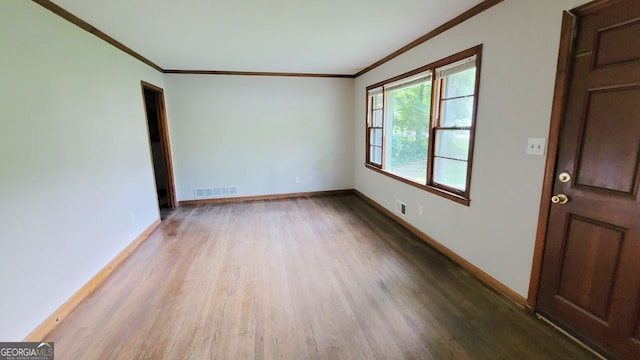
(76, 182)
(260, 133)
(497, 231)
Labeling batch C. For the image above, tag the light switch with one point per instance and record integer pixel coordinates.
(536, 146)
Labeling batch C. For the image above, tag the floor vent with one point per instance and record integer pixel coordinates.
(214, 192)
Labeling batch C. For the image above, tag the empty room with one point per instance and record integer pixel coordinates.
(290, 179)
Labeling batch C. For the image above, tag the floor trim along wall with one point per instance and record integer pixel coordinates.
(265, 197)
(474, 270)
(52, 321)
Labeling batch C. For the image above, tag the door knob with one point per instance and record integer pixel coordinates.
(560, 199)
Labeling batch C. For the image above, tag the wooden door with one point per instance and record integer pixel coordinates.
(590, 279)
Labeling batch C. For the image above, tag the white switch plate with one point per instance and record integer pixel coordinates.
(536, 146)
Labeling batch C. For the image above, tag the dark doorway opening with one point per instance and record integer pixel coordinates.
(159, 146)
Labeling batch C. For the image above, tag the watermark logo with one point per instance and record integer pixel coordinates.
(26, 350)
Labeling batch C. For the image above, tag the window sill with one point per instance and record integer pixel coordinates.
(445, 194)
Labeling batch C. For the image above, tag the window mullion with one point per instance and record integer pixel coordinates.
(459, 97)
(438, 115)
(368, 129)
(433, 119)
(384, 129)
(371, 101)
(453, 127)
(372, 156)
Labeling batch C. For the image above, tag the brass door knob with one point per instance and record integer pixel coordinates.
(560, 199)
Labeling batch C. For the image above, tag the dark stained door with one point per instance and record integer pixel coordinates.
(590, 280)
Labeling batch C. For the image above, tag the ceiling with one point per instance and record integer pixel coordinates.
(298, 36)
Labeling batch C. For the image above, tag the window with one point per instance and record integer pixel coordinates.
(420, 125)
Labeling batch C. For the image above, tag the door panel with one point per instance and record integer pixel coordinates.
(615, 45)
(636, 336)
(609, 151)
(590, 278)
(591, 255)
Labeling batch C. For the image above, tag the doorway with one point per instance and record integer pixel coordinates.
(586, 274)
(159, 146)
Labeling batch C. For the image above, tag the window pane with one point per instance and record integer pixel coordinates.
(451, 173)
(460, 84)
(457, 112)
(408, 137)
(377, 101)
(452, 144)
(416, 171)
(377, 118)
(375, 155)
(376, 137)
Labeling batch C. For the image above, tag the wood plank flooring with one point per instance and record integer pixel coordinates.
(307, 278)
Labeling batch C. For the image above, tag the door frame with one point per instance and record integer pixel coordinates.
(563, 76)
(164, 140)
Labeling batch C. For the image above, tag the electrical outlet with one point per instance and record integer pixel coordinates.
(297, 179)
(420, 210)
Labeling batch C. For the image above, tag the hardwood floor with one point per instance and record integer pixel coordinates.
(306, 278)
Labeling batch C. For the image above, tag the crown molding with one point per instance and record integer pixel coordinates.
(49, 5)
(433, 33)
(54, 8)
(257, 73)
